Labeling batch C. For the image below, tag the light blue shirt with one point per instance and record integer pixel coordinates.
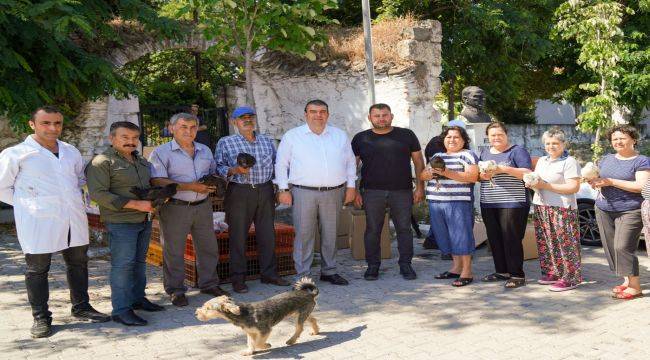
(309, 159)
(170, 161)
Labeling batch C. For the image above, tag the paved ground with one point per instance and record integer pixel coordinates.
(386, 319)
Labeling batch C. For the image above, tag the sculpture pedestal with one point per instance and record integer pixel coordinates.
(479, 142)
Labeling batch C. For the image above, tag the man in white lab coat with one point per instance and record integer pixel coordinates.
(42, 178)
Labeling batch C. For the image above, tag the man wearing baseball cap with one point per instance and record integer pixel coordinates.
(250, 197)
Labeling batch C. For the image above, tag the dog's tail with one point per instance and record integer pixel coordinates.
(306, 284)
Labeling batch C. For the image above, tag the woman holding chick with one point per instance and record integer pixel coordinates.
(618, 207)
(505, 204)
(556, 180)
(450, 198)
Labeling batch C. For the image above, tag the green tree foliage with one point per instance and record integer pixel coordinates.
(501, 46)
(50, 51)
(611, 44)
(169, 78)
(248, 26)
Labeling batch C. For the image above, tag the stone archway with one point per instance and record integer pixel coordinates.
(90, 129)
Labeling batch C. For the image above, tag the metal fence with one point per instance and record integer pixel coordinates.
(154, 120)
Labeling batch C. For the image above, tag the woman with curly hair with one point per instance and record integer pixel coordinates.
(618, 207)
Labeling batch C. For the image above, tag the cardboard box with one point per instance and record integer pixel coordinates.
(530, 244)
(357, 230)
(480, 234)
(342, 231)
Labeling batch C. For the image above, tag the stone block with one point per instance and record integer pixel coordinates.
(417, 33)
(416, 51)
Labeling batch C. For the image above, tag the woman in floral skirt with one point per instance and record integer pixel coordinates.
(556, 214)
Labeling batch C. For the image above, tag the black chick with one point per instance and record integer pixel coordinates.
(437, 163)
(158, 195)
(245, 160)
(217, 181)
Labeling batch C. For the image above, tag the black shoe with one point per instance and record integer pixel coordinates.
(239, 287)
(335, 279)
(407, 272)
(41, 328)
(430, 244)
(147, 305)
(129, 318)
(215, 291)
(372, 273)
(90, 314)
(179, 300)
(446, 257)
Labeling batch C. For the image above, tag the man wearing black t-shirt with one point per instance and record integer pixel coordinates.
(386, 153)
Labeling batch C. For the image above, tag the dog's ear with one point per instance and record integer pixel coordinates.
(232, 308)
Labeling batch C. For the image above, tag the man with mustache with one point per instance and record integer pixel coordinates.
(42, 178)
(184, 161)
(317, 160)
(386, 152)
(111, 176)
(250, 198)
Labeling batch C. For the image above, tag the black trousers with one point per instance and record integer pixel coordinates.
(38, 292)
(245, 205)
(505, 230)
(400, 203)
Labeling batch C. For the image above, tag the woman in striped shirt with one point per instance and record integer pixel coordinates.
(450, 198)
(505, 205)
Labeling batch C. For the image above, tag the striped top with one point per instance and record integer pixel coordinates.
(506, 191)
(645, 192)
(452, 190)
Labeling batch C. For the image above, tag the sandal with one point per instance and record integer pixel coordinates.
(495, 277)
(619, 289)
(462, 282)
(514, 283)
(447, 275)
(624, 295)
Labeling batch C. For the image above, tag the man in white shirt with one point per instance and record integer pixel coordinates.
(317, 160)
(42, 178)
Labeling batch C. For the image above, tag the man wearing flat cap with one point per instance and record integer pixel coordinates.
(249, 198)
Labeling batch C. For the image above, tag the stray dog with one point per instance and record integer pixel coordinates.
(257, 319)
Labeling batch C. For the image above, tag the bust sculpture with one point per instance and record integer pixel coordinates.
(473, 104)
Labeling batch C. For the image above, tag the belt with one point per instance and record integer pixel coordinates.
(252, 186)
(319, 188)
(188, 203)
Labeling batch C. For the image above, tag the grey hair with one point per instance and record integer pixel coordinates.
(185, 116)
(554, 132)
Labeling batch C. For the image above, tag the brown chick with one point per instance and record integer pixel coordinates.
(437, 163)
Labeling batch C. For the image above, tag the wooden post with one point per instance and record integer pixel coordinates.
(367, 32)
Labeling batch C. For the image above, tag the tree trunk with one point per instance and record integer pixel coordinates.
(197, 69)
(248, 72)
(451, 101)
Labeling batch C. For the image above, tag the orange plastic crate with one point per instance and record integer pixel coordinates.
(154, 254)
(285, 266)
(284, 235)
(95, 223)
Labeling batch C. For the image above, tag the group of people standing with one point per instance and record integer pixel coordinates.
(505, 206)
(314, 170)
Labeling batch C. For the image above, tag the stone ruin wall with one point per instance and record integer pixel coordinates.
(280, 95)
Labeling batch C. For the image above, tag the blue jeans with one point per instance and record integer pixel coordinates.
(453, 226)
(129, 244)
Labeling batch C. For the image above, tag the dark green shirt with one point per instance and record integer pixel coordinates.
(110, 177)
